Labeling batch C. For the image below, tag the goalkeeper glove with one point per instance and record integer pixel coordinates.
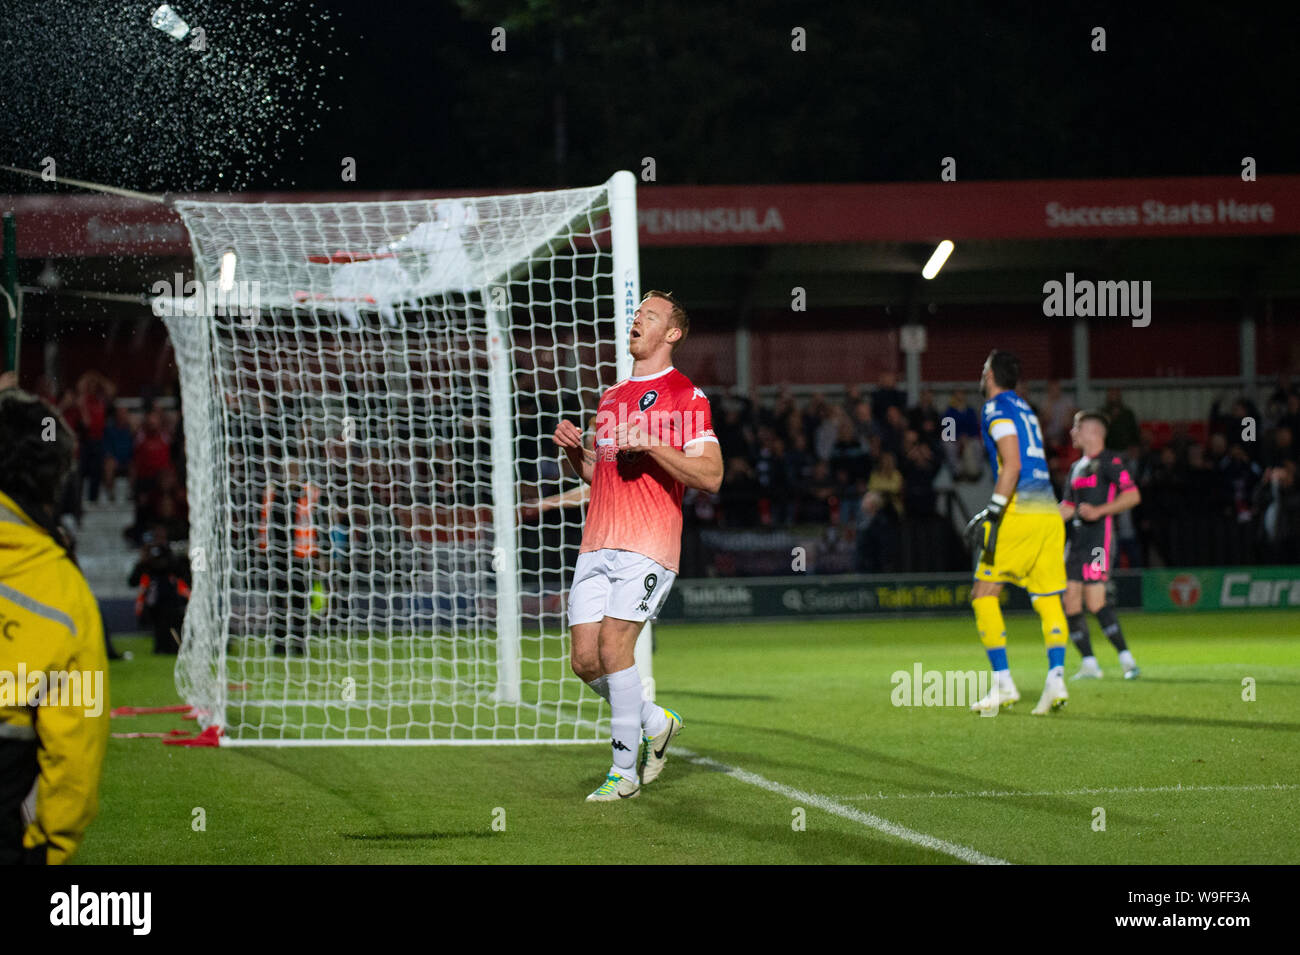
(983, 527)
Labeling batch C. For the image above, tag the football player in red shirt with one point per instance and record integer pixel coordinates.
(654, 438)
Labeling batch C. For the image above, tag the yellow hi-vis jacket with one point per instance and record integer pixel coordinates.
(50, 625)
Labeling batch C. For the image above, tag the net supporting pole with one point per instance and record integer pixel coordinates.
(505, 546)
(627, 293)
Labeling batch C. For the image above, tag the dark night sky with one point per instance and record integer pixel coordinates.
(712, 91)
(877, 96)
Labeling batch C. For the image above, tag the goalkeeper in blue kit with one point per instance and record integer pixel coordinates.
(1019, 536)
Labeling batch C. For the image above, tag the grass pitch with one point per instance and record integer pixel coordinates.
(824, 768)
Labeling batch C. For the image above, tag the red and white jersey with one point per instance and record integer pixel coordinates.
(635, 504)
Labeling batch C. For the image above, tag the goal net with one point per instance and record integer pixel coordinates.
(369, 390)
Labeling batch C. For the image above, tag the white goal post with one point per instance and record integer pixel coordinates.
(368, 392)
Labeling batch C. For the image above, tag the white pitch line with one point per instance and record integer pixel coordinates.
(1100, 791)
(964, 853)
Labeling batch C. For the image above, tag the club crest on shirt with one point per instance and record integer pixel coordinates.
(649, 398)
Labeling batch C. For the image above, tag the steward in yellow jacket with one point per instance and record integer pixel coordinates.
(54, 709)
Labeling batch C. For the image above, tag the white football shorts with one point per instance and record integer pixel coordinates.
(617, 583)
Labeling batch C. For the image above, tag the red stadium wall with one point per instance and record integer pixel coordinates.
(959, 338)
(135, 354)
(821, 347)
(854, 346)
(827, 346)
(708, 356)
(1184, 340)
(1277, 338)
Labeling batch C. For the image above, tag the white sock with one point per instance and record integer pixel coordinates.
(625, 695)
(1091, 662)
(1126, 659)
(1057, 672)
(1005, 683)
(601, 686)
(653, 718)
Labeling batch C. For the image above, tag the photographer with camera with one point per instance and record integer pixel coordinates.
(163, 579)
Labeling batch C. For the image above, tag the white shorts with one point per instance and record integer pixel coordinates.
(617, 583)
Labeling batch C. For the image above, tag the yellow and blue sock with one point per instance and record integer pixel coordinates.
(993, 631)
(1055, 628)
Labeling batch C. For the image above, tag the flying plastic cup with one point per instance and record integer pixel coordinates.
(169, 21)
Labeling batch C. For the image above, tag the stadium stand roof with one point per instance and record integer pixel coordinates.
(859, 244)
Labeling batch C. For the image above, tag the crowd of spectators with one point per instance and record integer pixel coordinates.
(863, 464)
(867, 465)
(791, 462)
(1244, 471)
(138, 445)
